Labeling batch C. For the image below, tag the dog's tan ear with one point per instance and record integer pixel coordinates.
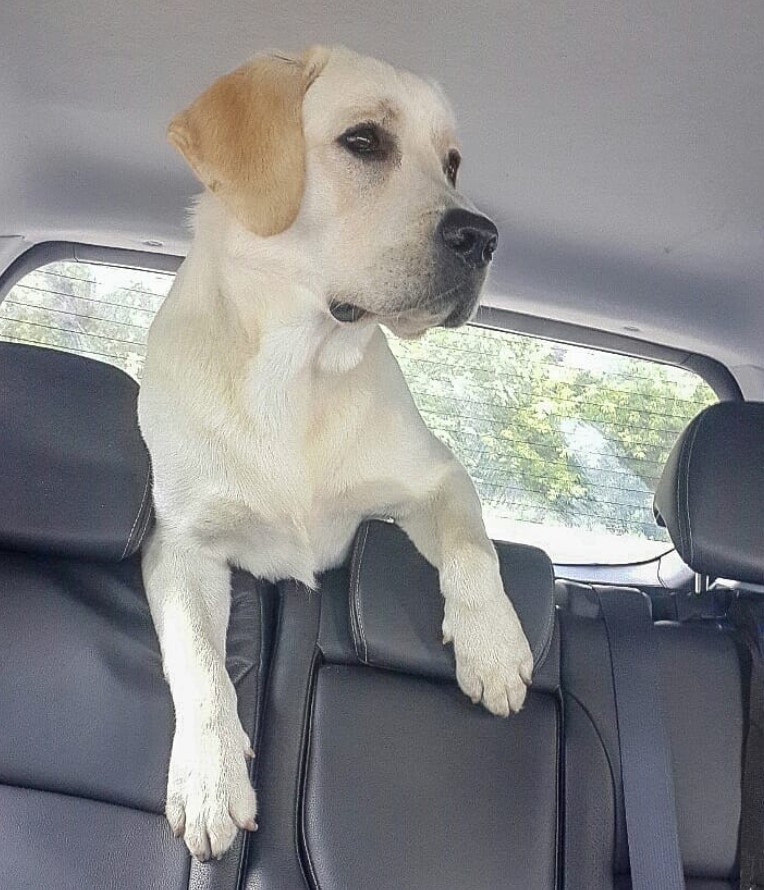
(243, 138)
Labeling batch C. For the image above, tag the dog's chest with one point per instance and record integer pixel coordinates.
(291, 520)
(288, 469)
(276, 467)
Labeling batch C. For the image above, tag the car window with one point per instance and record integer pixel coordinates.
(564, 443)
(100, 311)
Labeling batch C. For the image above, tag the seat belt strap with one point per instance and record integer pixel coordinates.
(646, 770)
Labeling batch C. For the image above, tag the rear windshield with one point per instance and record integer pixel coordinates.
(564, 443)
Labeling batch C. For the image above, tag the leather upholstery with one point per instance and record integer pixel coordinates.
(57, 842)
(406, 785)
(383, 774)
(87, 725)
(86, 711)
(703, 690)
(275, 859)
(711, 493)
(75, 477)
(373, 770)
(86, 715)
(703, 686)
(396, 608)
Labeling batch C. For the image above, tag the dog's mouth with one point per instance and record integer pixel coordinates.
(405, 324)
(461, 314)
(347, 313)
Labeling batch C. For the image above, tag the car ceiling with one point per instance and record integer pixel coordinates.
(619, 146)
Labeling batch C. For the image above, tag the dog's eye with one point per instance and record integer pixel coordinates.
(364, 140)
(452, 166)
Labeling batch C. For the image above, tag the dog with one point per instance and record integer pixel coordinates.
(275, 414)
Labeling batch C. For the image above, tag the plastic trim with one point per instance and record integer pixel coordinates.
(716, 375)
(53, 251)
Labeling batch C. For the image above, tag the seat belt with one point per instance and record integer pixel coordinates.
(750, 630)
(646, 771)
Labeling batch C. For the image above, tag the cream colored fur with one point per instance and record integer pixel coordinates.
(274, 429)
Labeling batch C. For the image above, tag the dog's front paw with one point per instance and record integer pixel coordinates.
(209, 795)
(494, 662)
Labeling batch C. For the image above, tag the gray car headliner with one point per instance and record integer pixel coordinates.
(619, 146)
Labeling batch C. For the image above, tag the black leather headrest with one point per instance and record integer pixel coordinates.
(396, 608)
(75, 476)
(711, 494)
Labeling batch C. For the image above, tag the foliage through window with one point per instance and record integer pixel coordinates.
(100, 311)
(565, 443)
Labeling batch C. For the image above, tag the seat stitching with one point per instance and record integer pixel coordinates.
(354, 571)
(546, 639)
(687, 485)
(134, 807)
(146, 523)
(605, 750)
(254, 739)
(137, 515)
(678, 487)
(361, 546)
(300, 840)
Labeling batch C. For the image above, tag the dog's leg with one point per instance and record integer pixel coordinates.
(493, 659)
(208, 789)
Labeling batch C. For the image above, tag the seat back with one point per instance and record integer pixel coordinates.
(711, 500)
(86, 715)
(703, 686)
(377, 772)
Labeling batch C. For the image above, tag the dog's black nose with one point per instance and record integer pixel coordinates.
(470, 236)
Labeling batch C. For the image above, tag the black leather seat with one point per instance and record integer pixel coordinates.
(703, 694)
(711, 494)
(711, 498)
(376, 771)
(373, 770)
(85, 715)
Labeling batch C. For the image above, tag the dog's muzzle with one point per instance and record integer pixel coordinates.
(465, 243)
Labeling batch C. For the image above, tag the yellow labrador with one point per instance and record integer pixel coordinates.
(276, 416)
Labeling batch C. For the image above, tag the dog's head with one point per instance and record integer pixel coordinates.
(352, 164)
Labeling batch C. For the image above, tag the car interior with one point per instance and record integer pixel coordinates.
(608, 400)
